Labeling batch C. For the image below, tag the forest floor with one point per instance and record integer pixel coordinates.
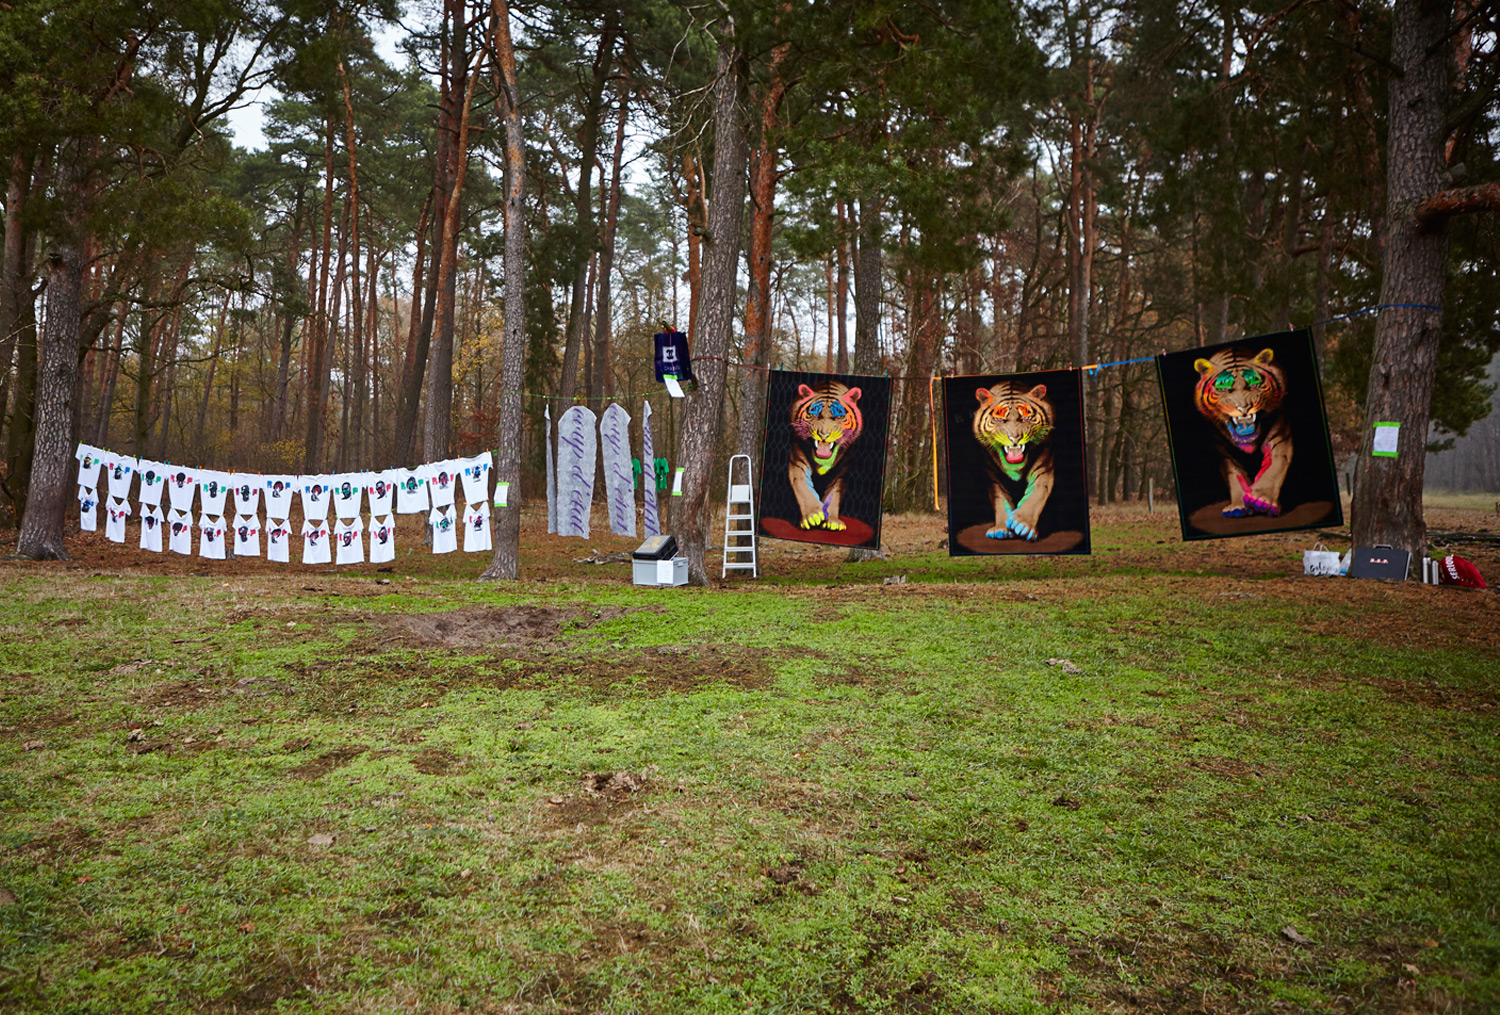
(1168, 777)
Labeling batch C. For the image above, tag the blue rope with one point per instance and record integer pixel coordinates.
(1371, 310)
(1094, 368)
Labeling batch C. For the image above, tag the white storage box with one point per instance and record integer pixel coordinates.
(673, 571)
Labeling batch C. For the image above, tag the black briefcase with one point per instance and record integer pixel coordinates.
(1380, 562)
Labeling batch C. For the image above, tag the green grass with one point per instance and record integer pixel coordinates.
(863, 798)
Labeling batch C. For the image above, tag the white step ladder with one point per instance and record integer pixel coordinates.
(739, 523)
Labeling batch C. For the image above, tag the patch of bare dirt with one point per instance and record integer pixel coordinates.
(437, 761)
(328, 762)
(663, 669)
(478, 626)
(600, 797)
(1231, 768)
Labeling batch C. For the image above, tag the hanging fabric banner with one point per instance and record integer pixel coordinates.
(577, 459)
(1249, 437)
(672, 356)
(823, 462)
(650, 519)
(1016, 476)
(619, 482)
(551, 470)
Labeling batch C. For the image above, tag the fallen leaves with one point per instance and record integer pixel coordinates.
(1067, 665)
(1295, 936)
(321, 839)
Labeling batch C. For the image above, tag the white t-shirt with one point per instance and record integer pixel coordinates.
(151, 528)
(246, 489)
(116, 511)
(88, 510)
(381, 488)
(411, 491)
(211, 535)
(181, 485)
(246, 536)
(153, 482)
(278, 541)
(348, 494)
(213, 490)
(444, 533)
(348, 536)
(477, 527)
(382, 539)
(180, 533)
(315, 541)
(316, 497)
(279, 490)
(475, 474)
(442, 480)
(89, 460)
(119, 473)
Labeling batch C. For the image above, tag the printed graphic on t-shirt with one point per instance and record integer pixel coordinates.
(315, 541)
(411, 492)
(211, 535)
(382, 539)
(90, 459)
(279, 490)
(444, 532)
(180, 533)
(119, 471)
(246, 536)
(88, 510)
(381, 488)
(477, 527)
(315, 497)
(348, 492)
(441, 478)
(476, 477)
(181, 485)
(213, 489)
(348, 537)
(151, 529)
(246, 490)
(116, 511)
(278, 541)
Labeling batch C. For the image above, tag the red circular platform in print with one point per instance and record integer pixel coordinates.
(857, 533)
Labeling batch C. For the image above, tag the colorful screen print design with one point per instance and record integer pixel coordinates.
(823, 465)
(1249, 437)
(1016, 476)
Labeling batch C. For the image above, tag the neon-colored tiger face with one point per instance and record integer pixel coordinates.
(828, 416)
(1235, 389)
(1010, 423)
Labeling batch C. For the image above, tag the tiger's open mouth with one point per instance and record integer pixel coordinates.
(1241, 428)
(823, 449)
(1015, 454)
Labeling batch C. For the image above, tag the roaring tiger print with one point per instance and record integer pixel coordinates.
(825, 421)
(1013, 427)
(1241, 396)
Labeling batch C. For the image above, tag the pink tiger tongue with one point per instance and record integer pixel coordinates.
(822, 449)
(1015, 454)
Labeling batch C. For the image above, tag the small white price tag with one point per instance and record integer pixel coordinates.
(677, 483)
(673, 388)
(502, 494)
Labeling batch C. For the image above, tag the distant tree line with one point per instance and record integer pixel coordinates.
(423, 254)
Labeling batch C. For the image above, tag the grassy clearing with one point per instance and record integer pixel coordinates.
(1001, 787)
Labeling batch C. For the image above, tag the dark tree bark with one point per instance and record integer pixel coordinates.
(505, 565)
(414, 366)
(603, 368)
(757, 348)
(1387, 504)
(14, 285)
(583, 205)
(867, 285)
(316, 378)
(437, 433)
(698, 438)
(41, 535)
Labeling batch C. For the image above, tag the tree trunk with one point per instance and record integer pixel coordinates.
(317, 386)
(111, 376)
(603, 386)
(698, 438)
(842, 253)
(15, 286)
(1387, 504)
(41, 535)
(505, 565)
(867, 284)
(437, 434)
(413, 368)
(583, 206)
(757, 347)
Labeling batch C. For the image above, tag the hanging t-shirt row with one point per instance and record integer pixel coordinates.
(333, 528)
